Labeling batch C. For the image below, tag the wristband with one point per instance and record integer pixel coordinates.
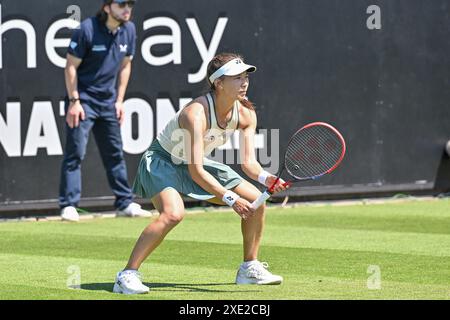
(263, 177)
(230, 198)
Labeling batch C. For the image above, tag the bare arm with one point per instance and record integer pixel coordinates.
(194, 121)
(75, 110)
(123, 79)
(70, 73)
(250, 165)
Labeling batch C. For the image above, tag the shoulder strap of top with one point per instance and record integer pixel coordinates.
(235, 118)
(212, 112)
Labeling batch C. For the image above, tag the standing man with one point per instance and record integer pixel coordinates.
(97, 73)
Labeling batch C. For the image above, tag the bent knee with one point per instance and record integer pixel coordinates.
(173, 217)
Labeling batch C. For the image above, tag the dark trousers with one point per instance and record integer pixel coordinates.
(106, 129)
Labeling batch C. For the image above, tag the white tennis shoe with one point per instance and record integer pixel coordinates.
(133, 210)
(70, 214)
(256, 273)
(129, 282)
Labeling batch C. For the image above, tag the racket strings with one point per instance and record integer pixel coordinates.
(313, 151)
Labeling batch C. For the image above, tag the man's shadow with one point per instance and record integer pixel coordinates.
(188, 287)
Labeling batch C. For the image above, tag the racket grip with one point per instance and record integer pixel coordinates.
(262, 198)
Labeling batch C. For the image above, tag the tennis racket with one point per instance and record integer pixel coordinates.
(313, 151)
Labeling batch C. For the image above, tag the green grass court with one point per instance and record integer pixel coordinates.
(323, 252)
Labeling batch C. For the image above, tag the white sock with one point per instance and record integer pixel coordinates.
(247, 264)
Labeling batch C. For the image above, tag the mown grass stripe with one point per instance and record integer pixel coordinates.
(178, 282)
(323, 253)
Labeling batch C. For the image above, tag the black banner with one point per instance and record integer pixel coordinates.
(376, 70)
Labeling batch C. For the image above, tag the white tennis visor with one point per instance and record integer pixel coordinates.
(232, 68)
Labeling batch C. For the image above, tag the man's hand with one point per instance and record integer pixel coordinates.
(120, 112)
(74, 114)
(279, 186)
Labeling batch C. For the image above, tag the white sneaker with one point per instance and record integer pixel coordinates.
(129, 282)
(133, 210)
(70, 214)
(256, 273)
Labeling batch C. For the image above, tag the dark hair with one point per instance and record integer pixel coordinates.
(101, 15)
(216, 63)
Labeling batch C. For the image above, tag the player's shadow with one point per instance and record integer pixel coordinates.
(188, 287)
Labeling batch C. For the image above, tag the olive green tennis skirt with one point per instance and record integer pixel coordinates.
(157, 172)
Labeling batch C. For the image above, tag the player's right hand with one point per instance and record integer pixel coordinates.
(280, 186)
(74, 114)
(243, 208)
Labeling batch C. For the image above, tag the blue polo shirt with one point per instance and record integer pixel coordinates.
(102, 53)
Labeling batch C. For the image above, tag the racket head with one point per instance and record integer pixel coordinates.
(314, 150)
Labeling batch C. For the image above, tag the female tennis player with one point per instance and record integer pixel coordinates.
(176, 164)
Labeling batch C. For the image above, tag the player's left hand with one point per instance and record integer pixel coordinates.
(281, 185)
(120, 112)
